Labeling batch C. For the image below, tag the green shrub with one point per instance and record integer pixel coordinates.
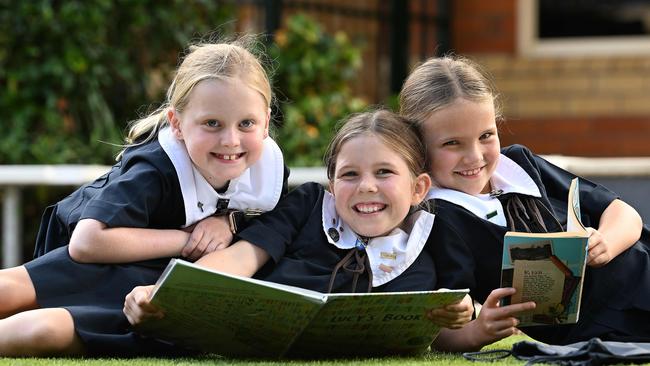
(313, 75)
(72, 73)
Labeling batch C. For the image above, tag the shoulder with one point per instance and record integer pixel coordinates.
(450, 216)
(519, 154)
(149, 157)
(311, 189)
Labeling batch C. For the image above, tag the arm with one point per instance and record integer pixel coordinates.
(242, 259)
(619, 228)
(93, 242)
(493, 323)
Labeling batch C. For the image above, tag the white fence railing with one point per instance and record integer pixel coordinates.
(14, 177)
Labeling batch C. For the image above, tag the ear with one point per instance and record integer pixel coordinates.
(266, 125)
(174, 122)
(420, 188)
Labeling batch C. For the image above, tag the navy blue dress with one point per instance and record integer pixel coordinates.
(142, 190)
(467, 251)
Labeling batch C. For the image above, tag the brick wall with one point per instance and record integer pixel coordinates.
(583, 106)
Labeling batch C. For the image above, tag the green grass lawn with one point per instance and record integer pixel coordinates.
(430, 359)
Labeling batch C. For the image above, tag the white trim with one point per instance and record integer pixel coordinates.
(529, 44)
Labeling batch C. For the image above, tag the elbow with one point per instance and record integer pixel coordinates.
(84, 239)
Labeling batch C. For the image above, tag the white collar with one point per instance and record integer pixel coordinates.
(259, 187)
(508, 177)
(390, 255)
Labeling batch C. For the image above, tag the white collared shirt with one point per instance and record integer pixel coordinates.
(259, 187)
(389, 255)
(508, 177)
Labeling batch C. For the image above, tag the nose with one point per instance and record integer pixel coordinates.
(473, 154)
(367, 183)
(230, 137)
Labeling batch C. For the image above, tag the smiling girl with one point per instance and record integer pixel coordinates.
(481, 191)
(190, 171)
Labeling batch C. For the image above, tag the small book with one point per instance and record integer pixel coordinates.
(233, 316)
(548, 268)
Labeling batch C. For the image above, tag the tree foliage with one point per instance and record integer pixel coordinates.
(313, 75)
(73, 72)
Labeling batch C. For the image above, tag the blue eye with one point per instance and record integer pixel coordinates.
(212, 123)
(486, 135)
(247, 123)
(450, 143)
(384, 172)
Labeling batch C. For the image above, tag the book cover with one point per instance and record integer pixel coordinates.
(236, 316)
(548, 268)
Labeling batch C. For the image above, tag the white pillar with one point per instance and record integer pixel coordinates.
(11, 228)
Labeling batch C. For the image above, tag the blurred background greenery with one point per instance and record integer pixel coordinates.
(75, 72)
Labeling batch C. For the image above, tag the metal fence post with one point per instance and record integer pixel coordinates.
(11, 228)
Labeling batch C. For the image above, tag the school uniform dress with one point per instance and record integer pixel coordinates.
(468, 246)
(154, 185)
(306, 240)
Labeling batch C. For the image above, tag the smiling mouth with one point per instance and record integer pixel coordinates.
(229, 156)
(470, 172)
(368, 208)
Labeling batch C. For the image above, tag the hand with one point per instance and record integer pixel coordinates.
(599, 252)
(210, 234)
(496, 322)
(137, 307)
(453, 316)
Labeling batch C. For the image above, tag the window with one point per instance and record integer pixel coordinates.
(583, 27)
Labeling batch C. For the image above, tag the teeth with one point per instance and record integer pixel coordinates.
(369, 208)
(230, 157)
(470, 172)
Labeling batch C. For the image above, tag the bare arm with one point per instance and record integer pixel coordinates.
(241, 258)
(619, 228)
(93, 242)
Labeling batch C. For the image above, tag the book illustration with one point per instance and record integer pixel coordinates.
(235, 316)
(548, 269)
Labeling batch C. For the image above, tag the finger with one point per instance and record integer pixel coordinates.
(515, 309)
(223, 244)
(458, 308)
(199, 249)
(599, 260)
(496, 295)
(188, 248)
(209, 248)
(440, 314)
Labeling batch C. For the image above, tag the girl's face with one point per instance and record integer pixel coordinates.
(373, 187)
(463, 146)
(223, 127)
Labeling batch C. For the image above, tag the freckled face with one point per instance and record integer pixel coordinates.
(374, 191)
(463, 146)
(223, 127)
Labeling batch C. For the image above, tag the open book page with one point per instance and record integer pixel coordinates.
(375, 323)
(229, 315)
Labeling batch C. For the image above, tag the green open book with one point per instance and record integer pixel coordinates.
(235, 316)
(548, 268)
